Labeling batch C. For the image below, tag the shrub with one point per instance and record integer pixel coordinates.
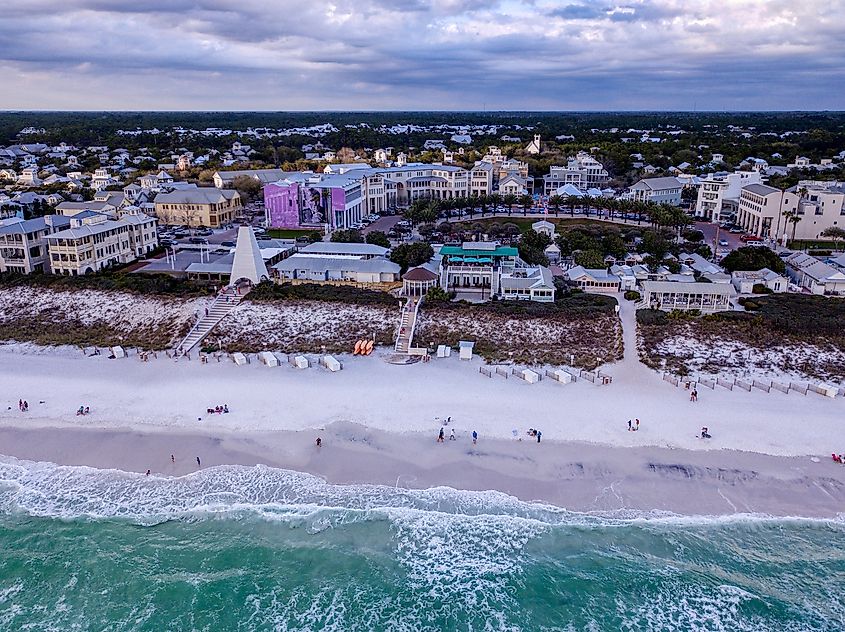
(109, 281)
(819, 253)
(271, 292)
(759, 288)
(632, 295)
(651, 317)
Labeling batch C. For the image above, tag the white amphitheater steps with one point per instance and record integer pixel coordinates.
(221, 307)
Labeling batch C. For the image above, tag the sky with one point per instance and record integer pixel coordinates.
(422, 55)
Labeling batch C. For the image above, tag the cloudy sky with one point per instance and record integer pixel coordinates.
(422, 54)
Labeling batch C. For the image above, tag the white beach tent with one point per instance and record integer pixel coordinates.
(268, 358)
(118, 352)
(301, 362)
(563, 376)
(465, 349)
(532, 377)
(239, 358)
(331, 363)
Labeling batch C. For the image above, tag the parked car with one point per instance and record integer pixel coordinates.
(723, 242)
(750, 238)
(736, 229)
(198, 240)
(262, 237)
(228, 244)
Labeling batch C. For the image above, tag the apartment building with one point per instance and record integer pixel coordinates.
(718, 193)
(23, 243)
(93, 242)
(582, 171)
(201, 206)
(481, 179)
(759, 210)
(818, 205)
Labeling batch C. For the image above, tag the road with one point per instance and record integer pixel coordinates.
(384, 224)
(710, 230)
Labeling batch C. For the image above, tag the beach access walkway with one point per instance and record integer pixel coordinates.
(223, 305)
(407, 325)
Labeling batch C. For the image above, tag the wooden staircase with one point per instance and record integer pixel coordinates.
(407, 324)
(223, 304)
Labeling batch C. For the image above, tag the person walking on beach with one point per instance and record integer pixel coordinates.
(474, 437)
(452, 435)
(629, 426)
(319, 442)
(539, 434)
(148, 472)
(20, 405)
(636, 424)
(25, 405)
(440, 436)
(172, 459)
(198, 462)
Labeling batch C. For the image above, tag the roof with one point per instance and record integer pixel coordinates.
(32, 225)
(656, 184)
(763, 274)
(199, 195)
(594, 273)
(87, 230)
(498, 251)
(690, 288)
(535, 277)
(813, 268)
(419, 274)
(760, 189)
(321, 264)
(338, 248)
(265, 176)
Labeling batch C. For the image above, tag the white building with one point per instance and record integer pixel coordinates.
(744, 281)
(23, 243)
(94, 242)
(810, 273)
(657, 190)
(583, 171)
(719, 193)
(759, 211)
(594, 280)
(670, 295)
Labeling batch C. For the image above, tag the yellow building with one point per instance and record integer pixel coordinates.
(202, 206)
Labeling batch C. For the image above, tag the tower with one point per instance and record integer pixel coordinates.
(248, 263)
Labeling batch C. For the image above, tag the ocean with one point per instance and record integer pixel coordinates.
(256, 548)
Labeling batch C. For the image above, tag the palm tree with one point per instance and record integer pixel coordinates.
(495, 201)
(571, 201)
(792, 217)
(525, 201)
(555, 202)
(510, 200)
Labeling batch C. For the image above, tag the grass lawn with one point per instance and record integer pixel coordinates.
(811, 244)
(287, 233)
(525, 223)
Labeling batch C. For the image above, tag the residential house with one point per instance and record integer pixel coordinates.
(657, 190)
(817, 277)
(594, 280)
(744, 281)
(321, 268)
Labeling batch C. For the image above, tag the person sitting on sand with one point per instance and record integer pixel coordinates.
(87, 410)
(319, 442)
(705, 434)
(225, 408)
(836, 459)
(80, 411)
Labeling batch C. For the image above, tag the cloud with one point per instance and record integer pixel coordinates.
(421, 54)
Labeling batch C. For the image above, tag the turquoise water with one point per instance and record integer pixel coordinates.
(236, 548)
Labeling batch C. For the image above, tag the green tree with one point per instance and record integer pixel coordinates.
(248, 187)
(592, 259)
(749, 258)
(555, 202)
(612, 244)
(314, 236)
(655, 244)
(378, 238)
(411, 255)
(525, 201)
(835, 233)
(347, 236)
(531, 247)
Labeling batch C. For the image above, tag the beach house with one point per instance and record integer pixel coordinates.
(23, 243)
(478, 271)
(657, 190)
(814, 275)
(671, 295)
(594, 280)
(744, 281)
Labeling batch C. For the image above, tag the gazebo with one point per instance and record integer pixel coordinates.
(418, 281)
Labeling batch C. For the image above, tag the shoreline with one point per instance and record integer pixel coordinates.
(575, 476)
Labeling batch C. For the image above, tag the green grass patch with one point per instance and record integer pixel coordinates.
(272, 292)
(288, 233)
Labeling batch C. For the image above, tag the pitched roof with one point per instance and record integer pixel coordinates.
(337, 248)
(199, 195)
(419, 274)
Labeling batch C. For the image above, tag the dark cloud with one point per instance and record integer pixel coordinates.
(419, 53)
